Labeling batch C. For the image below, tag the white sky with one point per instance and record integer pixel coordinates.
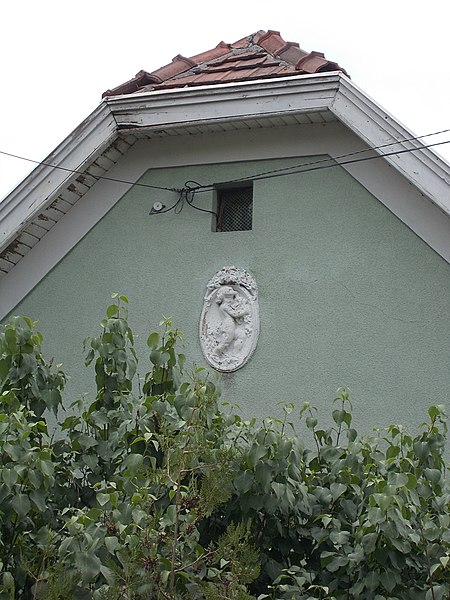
(58, 57)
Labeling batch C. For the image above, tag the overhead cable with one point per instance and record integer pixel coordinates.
(291, 170)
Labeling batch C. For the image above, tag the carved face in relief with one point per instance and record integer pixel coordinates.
(229, 323)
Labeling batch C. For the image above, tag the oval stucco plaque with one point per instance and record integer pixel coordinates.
(229, 323)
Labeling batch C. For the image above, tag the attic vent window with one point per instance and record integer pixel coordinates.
(234, 209)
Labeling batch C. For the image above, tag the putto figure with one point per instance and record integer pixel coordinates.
(229, 324)
(231, 330)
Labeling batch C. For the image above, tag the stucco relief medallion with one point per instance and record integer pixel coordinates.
(229, 323)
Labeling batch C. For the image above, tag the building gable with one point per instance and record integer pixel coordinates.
(89, 165)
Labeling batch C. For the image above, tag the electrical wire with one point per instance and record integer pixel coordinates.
(192, 191)
(97, 177)
(318, 164)
(174, 206)
(188, 192)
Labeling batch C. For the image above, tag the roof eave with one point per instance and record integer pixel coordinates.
(224, 102)
(159, 110)
(56, 171)
(399, 146)
(153, 110)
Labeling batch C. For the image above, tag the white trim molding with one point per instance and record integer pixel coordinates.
(41, 187)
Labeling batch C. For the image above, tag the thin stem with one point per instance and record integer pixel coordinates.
(194, 562)
(427, 556)
(175, 538)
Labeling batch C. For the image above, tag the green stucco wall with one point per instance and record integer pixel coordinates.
(348, 294)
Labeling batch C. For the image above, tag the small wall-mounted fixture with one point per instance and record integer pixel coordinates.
(157, 207)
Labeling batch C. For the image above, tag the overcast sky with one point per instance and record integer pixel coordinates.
(58, 57)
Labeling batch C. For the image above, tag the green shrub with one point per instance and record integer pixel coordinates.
(151, 491)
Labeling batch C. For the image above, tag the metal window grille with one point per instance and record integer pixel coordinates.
(235, 209)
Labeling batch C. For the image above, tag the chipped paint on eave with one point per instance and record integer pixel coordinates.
(83, 182)
(35, 230)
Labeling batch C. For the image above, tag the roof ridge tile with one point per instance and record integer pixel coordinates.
(270, 41)
(245, 41)
(277, 57)
(292, 53)
(133, 85)
(220, 50)
(178, 65)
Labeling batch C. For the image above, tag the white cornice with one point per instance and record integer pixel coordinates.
(211, 105)
(41, 187)
(421, 166)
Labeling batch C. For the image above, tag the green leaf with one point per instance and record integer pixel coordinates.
(21, 505)
(336, 563)
(103, 498)
(8, 583)
(393, 451)
(133, 461)
(338, 416)
(371, 580)
(39, 499)
(445, 560)
(339, 538)
(153, 340)
(263, 474)
(86, 441)
(255, 455)
(337, 489)
(90, 460)
(10, 339)
(352, 434)
(112, 310)
(383, 501)
(433, 475)
(170, 516)
(4, 369)
(243, 481)
(9, 476)
(311, 422)
(88, 565)
(108, 573)
(155, 357)
(112, 544)
(437, 592)
(421, 449)
(138, 516)
(398, 480)
(434, 411)
(47, 467)
(412, 481)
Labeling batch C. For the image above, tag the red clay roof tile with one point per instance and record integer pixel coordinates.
(312, 62)
(292, 53)
(261, 61)
(221, 49)
(258, 56)
(242, 43)
(270, 41)
(178, 65)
